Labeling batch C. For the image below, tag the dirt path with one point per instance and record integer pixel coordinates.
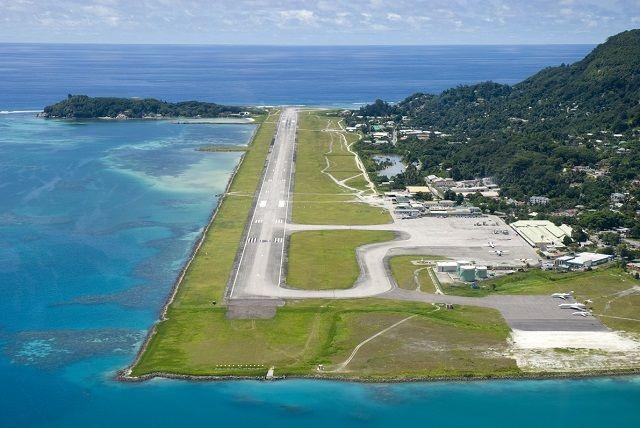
(342, 365)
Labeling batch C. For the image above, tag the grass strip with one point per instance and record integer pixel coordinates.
(326, 259)
(206, 277)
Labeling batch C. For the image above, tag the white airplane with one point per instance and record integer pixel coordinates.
(582, 313)
(491, 244)
(588, 301)
(563, 296)
(576, 306)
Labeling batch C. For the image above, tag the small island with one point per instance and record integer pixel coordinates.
(85, 107)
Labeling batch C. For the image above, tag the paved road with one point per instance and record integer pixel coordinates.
(260, 269)
(457, 238)
(258, 283)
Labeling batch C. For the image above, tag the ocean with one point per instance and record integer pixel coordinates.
(97, 218)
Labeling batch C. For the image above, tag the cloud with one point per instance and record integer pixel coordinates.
(302, 15)
(333, 21)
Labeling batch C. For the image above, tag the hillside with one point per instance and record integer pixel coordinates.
(600, 92)
(84, 107)
(571, 133)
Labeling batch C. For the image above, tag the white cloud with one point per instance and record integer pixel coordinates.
(342, 21)
(302, 15)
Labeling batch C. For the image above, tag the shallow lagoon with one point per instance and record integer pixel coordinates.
(96, 219)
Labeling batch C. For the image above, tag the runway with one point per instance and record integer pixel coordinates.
(258, 285)
(260, 267)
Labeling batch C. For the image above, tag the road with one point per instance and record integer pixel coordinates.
(258, 284)
(260, 266)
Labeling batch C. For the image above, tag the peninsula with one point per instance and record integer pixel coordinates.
(315, 266)
(84, 107)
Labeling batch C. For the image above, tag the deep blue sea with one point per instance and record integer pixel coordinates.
(96, 219)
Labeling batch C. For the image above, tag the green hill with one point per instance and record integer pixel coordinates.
(84, 107)
(529, 136)
(600, 92)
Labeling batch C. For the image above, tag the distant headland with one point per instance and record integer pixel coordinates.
(85, 107)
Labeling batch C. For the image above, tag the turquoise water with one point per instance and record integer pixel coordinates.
(96, 221)
(97, 218)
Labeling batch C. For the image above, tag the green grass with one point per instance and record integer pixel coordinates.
(599, 285)
(326, 259)
(404, 272)
(197, 338)
(317, 199)
(427, 346)
(207, 275)
(306, 333)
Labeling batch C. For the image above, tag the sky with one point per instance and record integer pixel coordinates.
(316, 22)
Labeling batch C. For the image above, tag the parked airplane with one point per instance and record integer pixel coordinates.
(576, 306)
(563, 296)
(582, 313)
(492, 244)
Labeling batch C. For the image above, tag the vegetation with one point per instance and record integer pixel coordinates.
(307, 333)
(206, 277)
(410, 276)
(326, 259)
(570, 133)
(222, 148)
(317, 198)
(84, 107)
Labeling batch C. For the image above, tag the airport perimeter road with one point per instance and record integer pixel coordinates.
(259, 270)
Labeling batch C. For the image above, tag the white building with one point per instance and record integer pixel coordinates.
(538, 200)
(542, 233)
(583, 260)
(618, 197)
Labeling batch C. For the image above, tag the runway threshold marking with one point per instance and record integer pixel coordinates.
(253, 215)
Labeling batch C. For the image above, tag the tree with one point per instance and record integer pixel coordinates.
(450, 195)
(424, 196)
(578, 235)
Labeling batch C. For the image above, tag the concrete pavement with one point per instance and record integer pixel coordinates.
(258, 281)
(260, 266)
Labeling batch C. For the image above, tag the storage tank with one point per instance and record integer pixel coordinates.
(481, 272)
(467, 273)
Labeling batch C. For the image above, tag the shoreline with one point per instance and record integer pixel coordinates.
(391, 380)
(125, 373)
(174, 120)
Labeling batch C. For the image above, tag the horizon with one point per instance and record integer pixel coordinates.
(303, 45)
(317, 23)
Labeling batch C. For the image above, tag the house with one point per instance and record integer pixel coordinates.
(538, 200)
(618, 197)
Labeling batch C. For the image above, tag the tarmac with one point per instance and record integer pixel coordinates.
(258, 285)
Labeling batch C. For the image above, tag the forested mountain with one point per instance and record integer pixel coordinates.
(530, 135)
(600, 92)
(84, 107)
